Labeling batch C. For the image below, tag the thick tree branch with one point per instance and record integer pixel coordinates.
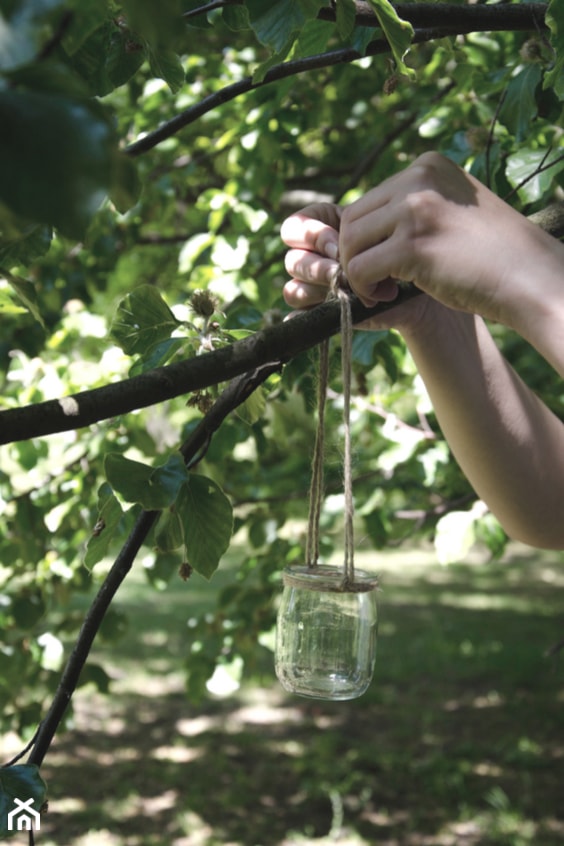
(273, 346)
(471, 18)
(431, 22)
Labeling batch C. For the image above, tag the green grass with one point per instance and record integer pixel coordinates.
(460, 739)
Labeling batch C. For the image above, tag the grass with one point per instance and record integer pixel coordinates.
(460, 739)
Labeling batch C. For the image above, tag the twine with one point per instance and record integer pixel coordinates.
(339, 289)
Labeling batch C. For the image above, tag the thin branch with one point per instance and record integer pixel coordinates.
(540, 169)
(210, 7)
(435, 21)
(90, 626)
(192, 451)
(491, 132)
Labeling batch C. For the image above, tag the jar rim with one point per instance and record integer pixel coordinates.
(324, 577)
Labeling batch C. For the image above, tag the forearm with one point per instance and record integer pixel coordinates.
(507, 442)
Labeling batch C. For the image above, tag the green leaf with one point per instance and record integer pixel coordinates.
(27, 242)
(236, 17)
(108, 58)
(398, 33)
(254, 407)
(455, 535)
(207, 520)
(158, 23)
(81, 26)
(96, 675)
(143, 320)
(346, 16)
(277, 27)
(522, 171)
(519, 107)
(165, 64)
(366, 347)
(170, 533)
(8, 304)
(153, 488)
(110, 515)
(25, 292)
(21, 782)
(554, 19)
(56, 163)
(125, 186)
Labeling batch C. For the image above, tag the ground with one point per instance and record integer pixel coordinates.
(460, 739)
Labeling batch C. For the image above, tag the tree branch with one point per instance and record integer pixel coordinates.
(471, 18)
(271, 347)
(90, 626)
(431, 22)
(193, 450)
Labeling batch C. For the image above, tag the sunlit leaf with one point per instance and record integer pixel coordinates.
(166, 64)
(143, 319)
(454, 536)
(346, 15)
(26, 294)
(398, 32)
(531, 172)
(110, 514)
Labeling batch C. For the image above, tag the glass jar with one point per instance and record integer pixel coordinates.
(326, 633)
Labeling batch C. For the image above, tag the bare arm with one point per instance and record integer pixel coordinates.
(473, 255)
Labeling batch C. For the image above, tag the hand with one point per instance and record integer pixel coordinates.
(433, 225)
(313, 263)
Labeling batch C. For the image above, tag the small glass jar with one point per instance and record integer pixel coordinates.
(326, 633)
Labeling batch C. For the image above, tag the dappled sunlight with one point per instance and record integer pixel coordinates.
(458, 741)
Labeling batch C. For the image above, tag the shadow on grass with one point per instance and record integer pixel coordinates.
(460, 739)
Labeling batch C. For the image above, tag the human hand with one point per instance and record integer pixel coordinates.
(433, 225)
(313, 263)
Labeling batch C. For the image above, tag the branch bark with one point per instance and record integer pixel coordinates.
(271, 347)
(430, 21)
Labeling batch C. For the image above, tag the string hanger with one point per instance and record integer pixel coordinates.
(339, 289)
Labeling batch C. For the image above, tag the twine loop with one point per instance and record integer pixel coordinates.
(340, 290)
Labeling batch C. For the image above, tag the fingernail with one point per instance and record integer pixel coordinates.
(332, 250)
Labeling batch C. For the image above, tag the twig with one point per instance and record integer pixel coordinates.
(192, 451)
(490, 138)
(20, 755)
(90, 626)
(210, 7)
(434, 21)
(540, 169)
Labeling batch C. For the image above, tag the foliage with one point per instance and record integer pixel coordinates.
(121, 252)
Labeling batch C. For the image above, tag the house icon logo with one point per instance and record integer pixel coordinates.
(23, 817)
